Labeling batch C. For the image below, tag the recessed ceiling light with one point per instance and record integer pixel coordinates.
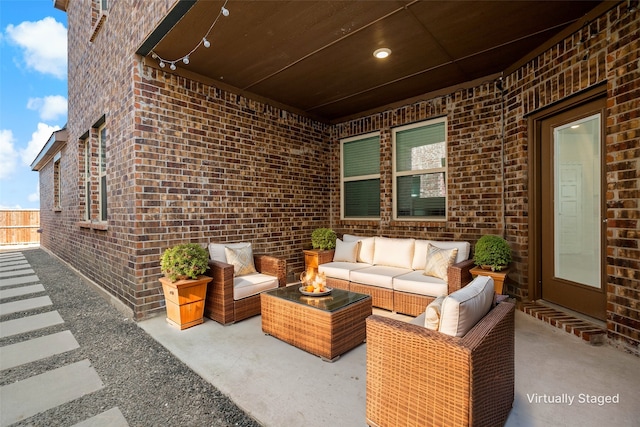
(382, 53)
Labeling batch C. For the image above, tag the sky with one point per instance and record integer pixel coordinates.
(33, 93)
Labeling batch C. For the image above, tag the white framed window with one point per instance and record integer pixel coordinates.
(360, 177)
(102, 171)
(420, 171)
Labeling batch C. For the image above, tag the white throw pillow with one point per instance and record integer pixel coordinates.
(241, 259)
(365, 252)
(462, 309)
(432, 314)
(438, 261)
(345, 251)
(393, 252)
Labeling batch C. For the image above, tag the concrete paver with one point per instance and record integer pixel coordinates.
(39, 393)
(35, 349)
(29, 323)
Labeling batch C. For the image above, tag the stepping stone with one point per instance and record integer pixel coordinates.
(26, 398)
(111, 418)
(25, 304)
(35, 349)
(22, 272)
(29, 323)
(23, 290)
(18, 280)
(11, 255)
(14, 266)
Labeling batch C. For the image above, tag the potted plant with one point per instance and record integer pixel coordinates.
(184, 284)
(323, 239)
(492, 253)
(323, 242)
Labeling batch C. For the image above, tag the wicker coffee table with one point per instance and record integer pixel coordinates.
(326, 326)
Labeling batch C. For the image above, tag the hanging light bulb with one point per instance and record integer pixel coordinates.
(172, 66)
(205, 42)
(225, 11)
(186, 59)
(161, 64)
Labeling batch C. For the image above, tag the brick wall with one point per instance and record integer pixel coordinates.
(486, 197)
(188, 161)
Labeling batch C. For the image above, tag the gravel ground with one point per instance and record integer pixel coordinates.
(145, 381)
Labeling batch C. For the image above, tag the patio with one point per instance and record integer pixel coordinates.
(560, 380)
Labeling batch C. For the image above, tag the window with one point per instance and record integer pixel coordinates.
(102, 171)
(420, 181)
(360, 170)
(86, 173)
(56, 182)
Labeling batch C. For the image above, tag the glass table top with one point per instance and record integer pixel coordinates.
(337, 299)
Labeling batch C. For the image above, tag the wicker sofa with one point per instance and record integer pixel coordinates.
(232, 297)
(392, 271)
(422, 377)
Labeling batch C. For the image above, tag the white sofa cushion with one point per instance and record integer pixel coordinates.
(432, 314)
(346, 251)
(438, 261)
(252, 284)
(365, 250)
(462, 309)
(340, 270)
(216, 250)
(420, 251)
(378, 275)
(241, 259)
(393, 252)
(415, 282)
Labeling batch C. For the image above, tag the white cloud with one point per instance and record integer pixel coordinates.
(8, 154)
(35, 197)
(38, 139)
(44, 45)
(50, 107)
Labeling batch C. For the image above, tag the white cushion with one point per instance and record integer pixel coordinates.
(345, 251)
(241, 259)
(365, 250)
(420, 251)
(252, 284)
(465, 307)
(340, 270)
(438, 261)
(393, 252)
(378, 275)
(432, 314)
(415, 282)
(216, 250)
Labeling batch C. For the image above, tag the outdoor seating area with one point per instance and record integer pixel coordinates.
(281, 385)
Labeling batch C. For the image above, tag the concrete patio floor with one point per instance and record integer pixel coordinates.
(560, 379)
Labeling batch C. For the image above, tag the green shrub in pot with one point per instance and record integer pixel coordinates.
(323, 238)
(493, 252)
(184, 261)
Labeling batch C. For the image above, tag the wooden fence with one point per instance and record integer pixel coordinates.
(19, 226)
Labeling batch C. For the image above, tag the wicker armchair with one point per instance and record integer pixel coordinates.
(220, 304)
(419, 377)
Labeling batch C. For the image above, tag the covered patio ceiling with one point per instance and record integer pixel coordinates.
(316, 57)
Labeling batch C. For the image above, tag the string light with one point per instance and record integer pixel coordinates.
(203, 42)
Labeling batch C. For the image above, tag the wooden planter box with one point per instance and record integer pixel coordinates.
(314, 257)
(185, 301)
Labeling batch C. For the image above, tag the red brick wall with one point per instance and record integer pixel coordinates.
(190, 162)
(483, 200)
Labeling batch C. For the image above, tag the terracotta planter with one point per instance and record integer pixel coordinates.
(185, 300)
